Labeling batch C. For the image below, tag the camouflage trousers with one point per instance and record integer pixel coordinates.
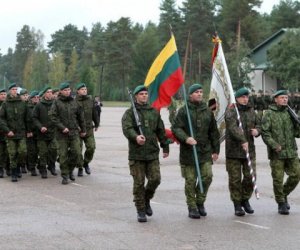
(139, 171)
(240, 180)
(3, 155)
(90, 146)
(32, 157)
(192, 192)
(292, 168)
(47, 152)
(17, 152)
(69, 153)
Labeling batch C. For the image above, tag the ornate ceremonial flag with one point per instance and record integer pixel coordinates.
(221, 91)
(165, 76)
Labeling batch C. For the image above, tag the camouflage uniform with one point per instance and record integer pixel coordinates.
(66, 113)
(46, 142)
(207, 136)
(92, 120)
(240, 187)
(144, 159)
(31, 142)
(4, 161)
(278, 129)
(13, 117)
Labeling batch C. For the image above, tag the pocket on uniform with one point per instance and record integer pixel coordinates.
(131, 167)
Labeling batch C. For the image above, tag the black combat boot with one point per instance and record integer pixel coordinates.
(51, 168)
(19, 173)
(33, 171)
(23, 169)
(247, 207)
(201, 210)
(80, 172)
(141, 216)
(194, 213)
(64, 180)
(72, 177)
(87, 168)
(1, 172)
(238, 210)
(287, 203)
(149, 211)
(282, 208)
(14, 177)
(8, 171)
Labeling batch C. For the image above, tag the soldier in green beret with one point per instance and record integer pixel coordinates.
(92, 122)
(144, 150)
(4, 161)
(55, 92)
(31, 139)
(24, 95)
(206, 140)
(278, 132)
(68, 118)
(237, 142)
(13, 121)
(46, 140)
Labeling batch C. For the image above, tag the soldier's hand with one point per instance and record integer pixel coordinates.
(44, 129)
(65, 131)
(29, 135)
(215, 157)
(96, 129)
(10, 134)
(278, 149)
(140, 139)
(191, 141)
(165, 155)
(82, 134)
(245, 146)
(254, 132)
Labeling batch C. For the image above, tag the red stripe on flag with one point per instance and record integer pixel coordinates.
(168, 88)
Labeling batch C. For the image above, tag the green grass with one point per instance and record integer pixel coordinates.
(115, 104)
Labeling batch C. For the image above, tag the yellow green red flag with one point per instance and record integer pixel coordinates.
(164, 77)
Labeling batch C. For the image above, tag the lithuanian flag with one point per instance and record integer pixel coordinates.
(165, 76)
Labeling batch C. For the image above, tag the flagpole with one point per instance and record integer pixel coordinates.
(189, 118)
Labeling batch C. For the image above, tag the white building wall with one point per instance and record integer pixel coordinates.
(261, 81)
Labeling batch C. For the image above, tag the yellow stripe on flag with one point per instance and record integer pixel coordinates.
(160, 61)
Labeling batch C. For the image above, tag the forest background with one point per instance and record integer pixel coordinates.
(112, 57)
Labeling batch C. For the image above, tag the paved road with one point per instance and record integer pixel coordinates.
(97, 212)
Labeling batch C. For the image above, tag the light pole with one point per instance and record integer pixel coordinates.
(4, 85)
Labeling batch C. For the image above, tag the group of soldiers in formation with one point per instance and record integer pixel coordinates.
(276, 126)
(38, 129)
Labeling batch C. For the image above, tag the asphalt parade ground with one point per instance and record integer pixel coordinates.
(97, 212)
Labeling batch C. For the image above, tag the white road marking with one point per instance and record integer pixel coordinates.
(252, 225)
(154, 202)
(76, 184)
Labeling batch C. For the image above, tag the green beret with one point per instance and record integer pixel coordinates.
(80, 85)
(242, 91)
(194, 87)
(139, 89)
(2, 90)
(33, 93)
(23, 91)
(64, 85)
(44, 90)
(12, 85)
(280, 92)
(54, 90)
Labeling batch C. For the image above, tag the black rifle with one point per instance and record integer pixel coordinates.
(293, 114)
(136, 115)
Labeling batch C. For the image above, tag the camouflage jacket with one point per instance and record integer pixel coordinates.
(235, 137)
(14, 117)
(153, 129)
(205, 133)
(278, 129)
(91, 116)
(66, 113)
(2, 134)
(31, 127)
(41, 118)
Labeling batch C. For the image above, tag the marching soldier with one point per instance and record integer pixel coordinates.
(13, 121)
(144, 150)
(206, 140)
(92, 121)
(238, 142)
(46, 141)
(68, 118)
(278, 132)
(4, 161)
